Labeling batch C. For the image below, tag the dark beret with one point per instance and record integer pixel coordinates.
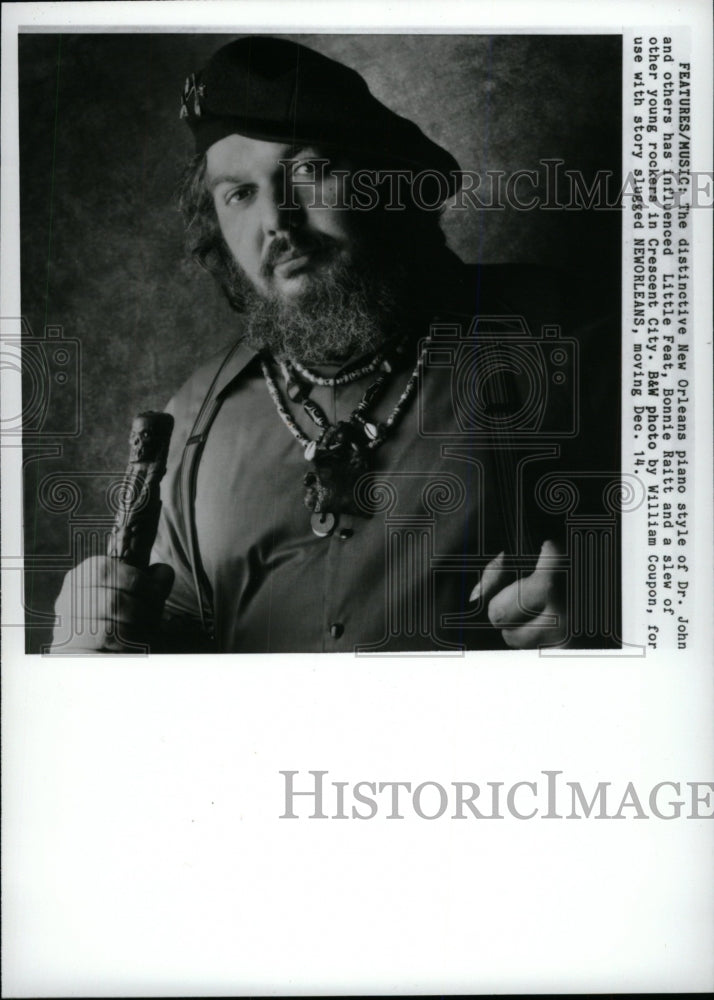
(278, 91)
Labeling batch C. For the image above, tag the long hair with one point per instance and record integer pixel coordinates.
(203, 240)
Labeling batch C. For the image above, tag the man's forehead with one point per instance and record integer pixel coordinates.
(238, 153)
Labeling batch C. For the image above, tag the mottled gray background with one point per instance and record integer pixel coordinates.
(101, 149)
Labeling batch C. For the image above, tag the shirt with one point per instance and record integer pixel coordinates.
(458, 480)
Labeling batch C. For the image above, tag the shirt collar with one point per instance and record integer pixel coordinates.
(236, 361)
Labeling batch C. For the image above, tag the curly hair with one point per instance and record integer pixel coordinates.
(203, 240)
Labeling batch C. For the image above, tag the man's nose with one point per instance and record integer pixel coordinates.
(280, 211)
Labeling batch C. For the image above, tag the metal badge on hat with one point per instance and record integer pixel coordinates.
(192, 94)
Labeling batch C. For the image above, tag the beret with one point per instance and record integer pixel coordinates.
(279, 91)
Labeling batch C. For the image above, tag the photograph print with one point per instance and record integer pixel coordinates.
(321, 342)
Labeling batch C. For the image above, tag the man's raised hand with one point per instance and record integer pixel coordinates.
(529, 612)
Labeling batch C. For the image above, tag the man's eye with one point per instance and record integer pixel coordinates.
(312, 168)
(238, 195)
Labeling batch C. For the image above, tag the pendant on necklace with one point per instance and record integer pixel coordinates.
(338, 460)
(323, 524)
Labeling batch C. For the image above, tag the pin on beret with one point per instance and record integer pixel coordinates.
(278, 91)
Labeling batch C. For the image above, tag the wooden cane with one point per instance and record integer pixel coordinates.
(139, 502)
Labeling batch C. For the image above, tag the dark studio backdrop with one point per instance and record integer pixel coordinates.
(116, 321)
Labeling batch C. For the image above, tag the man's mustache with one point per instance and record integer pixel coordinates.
(283, 248)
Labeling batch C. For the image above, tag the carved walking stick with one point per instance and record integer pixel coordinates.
(137, 518)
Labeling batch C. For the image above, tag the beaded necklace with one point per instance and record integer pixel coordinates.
(353, 375)
(341, 453)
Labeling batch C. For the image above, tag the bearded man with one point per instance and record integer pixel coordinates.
(360, 471)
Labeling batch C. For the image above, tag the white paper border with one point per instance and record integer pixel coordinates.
(108, 765)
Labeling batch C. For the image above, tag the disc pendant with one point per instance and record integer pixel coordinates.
(323, 524)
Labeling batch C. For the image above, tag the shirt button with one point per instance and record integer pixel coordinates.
(336, 629)
(346, 533)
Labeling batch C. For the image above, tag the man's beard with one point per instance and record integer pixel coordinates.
(350, 307)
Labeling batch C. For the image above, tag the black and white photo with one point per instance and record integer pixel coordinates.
(397, 446)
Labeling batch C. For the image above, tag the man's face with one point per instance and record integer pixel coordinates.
(282, 232)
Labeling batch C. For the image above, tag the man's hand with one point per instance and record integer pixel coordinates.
(108, 606)
(529, 612)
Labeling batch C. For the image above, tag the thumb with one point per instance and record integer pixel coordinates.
(162, 577)
(548, 557)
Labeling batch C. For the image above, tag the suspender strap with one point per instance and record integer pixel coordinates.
(188, 475)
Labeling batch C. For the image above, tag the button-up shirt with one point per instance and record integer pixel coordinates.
(458, 479)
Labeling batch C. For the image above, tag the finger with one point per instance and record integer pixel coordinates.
(79, 593)
(94, 613)
(93, 632)
(103, 624)
(548, 557)
(532, 594)
(546, 629)
(524, 599)
(493, 578)
(110, 572)
(102, 572)
(508, 609)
